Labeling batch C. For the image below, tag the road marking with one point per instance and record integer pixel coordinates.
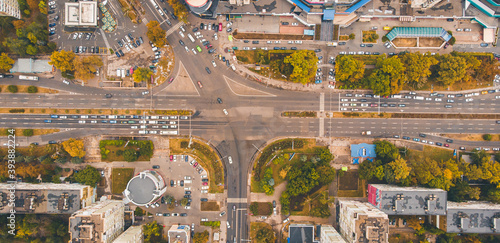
(105, 39)
(173, 29)
(237, 200)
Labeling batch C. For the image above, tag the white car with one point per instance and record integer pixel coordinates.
(469, 100)
(81, 121)
(277, 42)
(94, 121)
(225, 112)
(80, 35)
(187, 49)
(181, 34)
(194, 51)
(66, 82)
(298, 42)
(331, 86)
(230, 159)
(52, 3)
(215, 36)
(126, 47)
(438, 99)
(228, 226)
(75, 36)
(213, 63)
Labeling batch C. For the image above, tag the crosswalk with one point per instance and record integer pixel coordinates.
(174, 28)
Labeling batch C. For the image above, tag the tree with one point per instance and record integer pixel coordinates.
(326, 174)
(349, 70)
(32, 89)
(74, 147)
(152, 232)
(201, 237)
(304, 65)
(33, 5)
(63, 60)
(400, 168)
(487, 137)
(12, 88)
(380, 83)
(6, 62)
(462, 191)
(424, 170)
(76, 160)
(265, 235)
(142, 74)
(184, 202)
(88, 176)
(42, 6)
(386, 151)
(488, 70)
(86, 67)
(28, 132)
(155, 33)
(31, 50)
(417, 68)
(352, 36)
(451, 69)
(413, 222)
(394, 69)
(130, 155)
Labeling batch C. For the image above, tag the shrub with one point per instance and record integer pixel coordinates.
(352, 36)
(487, 137)
(385, 39)
(12, 88)
(32, 89)
(28, 132)
(452, 41)
(16, 111)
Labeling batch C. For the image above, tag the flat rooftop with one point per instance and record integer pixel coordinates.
(262, 7)
(394, 8)
(473, 217)
(82, 14)
(394, 200)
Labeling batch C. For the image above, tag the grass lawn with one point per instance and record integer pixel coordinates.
(120, 178)
(114, 154)
(347, 184)
(435, 153)
(206, 157)
(343, 37)
(262, 208)
(310, 202)
(256, 226)
(370, 36)
(367, 59)
(33, 150)
(210, 206)
(471, 137)
(19, 131)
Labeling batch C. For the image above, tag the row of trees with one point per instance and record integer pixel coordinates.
(156, 34)
(422, 170)
(73, 67)
(298, 67)
(179, 9)
(37, 228)
(413, 70)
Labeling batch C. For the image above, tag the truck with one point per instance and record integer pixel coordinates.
(334, 44)
(367, 133)
(24, 77)
(169, 132)
(191, 38)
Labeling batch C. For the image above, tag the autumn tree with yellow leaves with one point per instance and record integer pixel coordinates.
(74, 147)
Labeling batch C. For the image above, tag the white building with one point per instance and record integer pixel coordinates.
(10, 8)
(80, 14)
(330, 235)
(145, 188)
(101, 222)
(362, 222)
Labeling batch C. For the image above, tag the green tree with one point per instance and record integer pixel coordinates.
(42, 6)
(32, 89)
(63, 60)
(326, 174)
(386, 151)
(417, 68)
(265, 235)
(352, 36)
(451, 69)
(201, 237)
(138, 211)
(184, 202)
(74, 147)
(28, 132)
(152, 232)
(487, 137)
(301, 179)
(142, 75)
(304, 65)
(380, 83)
(493, 195)
(130, 155)
(88, 176)
(5, 62)
(400, 168)
(462, 191)
(155, 33)
(394, 69)
(76, 160)
(31, 50)
(349, 70)
(12, 88)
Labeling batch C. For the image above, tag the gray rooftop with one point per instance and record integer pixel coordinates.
(141, 189)
(29, 65)
(394, 200)
(473, 217)
(301, 233)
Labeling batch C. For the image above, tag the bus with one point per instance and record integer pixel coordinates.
(191, 38)
(154, 3)
(198, 48)
(24, 77)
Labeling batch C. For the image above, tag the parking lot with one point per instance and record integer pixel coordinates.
(190, 181)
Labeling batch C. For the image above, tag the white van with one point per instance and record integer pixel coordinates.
(173, 122)
(155, 48)
(112, 116)
(188, 181)
(153, 122)
(418, 98)
(154, 117)
(143, 132)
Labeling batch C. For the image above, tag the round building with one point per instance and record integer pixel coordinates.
(145, 188)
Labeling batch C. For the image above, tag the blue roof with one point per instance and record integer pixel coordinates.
(363, 150)
(357, 6)
(301, 5)
(328, 14)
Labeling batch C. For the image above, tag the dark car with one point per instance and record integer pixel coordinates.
(274, 204)
(405, 137)
(166, 215)
(34, 143)
(229, 29)
(422, 135)
(293, 48)
(195, 29)
(173, 15)
(285, 23)
(52, 33)
(141, 40)
(202, 25)
(276, 48)
(182, 183)
(204, 199)
(246, 41)
(283, 48)
(205, 43)
(484, 44)
(137, 42)
(219, 100)
(51, 12)
(439, 144)
(449, 19)
(171, 183)
(227, 63)
(187, 196)
(156, 167)
(362, 100)
(214, 28)
(135, 45)
(168, 22)
(187, 192)
(52, 25)
(121, 53)
(184, 214)
(317, 50)
(449, 141)
(255, 42)
(204, 180)
(130, 36)
(208, 70)
(369, 45)
(181, 42)
(52, 142)
(211, 51)
(342, 43)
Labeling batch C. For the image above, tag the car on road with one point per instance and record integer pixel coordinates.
(145, 92)
(449, 141)
(156, 167)
(222, 213)
(446, 145)
(462, 148)
(422, 135)
(66, 82)
(439, 144)
(228, 226)
(317, 50)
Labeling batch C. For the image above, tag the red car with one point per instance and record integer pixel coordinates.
(170, 80)
(171, 157)
(195, 164)
(205, 183)
(199, 84)
(446, 145)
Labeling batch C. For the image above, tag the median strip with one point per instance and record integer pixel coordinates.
(96, 111)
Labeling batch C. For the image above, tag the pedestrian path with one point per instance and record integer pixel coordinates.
(174, 28)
